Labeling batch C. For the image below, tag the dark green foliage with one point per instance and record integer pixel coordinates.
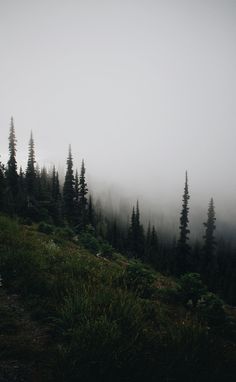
(106, 250)
(136, 235)
(183, 248)
(11, 173)
(209, 263)
(91, 212)
(69, 191)
(210, 308)
(104, 325)
(45, 228)
(65, 233)
(90, 242)
(31, 170)
(2, 186)
(82, 199)
(192, 287)
(139, 279)
(151, 246)
(170, 294)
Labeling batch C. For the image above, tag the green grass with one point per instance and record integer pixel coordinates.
(109, 319)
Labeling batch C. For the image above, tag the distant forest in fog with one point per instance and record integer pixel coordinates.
(36, 195)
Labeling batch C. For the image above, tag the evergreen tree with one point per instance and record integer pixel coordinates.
(21, 197)
(2, 186)
(11, 173)
(209, 260)
(83, 203)
(76, 186)
(31, 170)
(151, 245)
(69, 191)
(56, 195)
(136, 234)
(91, 212)
(183, 248)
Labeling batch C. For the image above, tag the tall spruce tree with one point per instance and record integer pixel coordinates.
(136, 234)
(11, 173)
(91, 212)
(76, 186)
(83, 202)
(183, 248)
(2, 186)
(209, 259)
(56, 195)
(69, 191)
(31, 170)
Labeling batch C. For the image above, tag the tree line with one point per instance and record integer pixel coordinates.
(36, 195)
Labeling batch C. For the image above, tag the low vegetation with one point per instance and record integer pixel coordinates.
(107, 318)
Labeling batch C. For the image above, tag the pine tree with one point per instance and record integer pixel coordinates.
(209, 261)
(83, 203)
(91, 212)
(183, 247)
(76, 186)
(2, 186)
(136, 234)
(56, 195)
(11, 173)
(69, 191)
(21, 197)
(31, 170)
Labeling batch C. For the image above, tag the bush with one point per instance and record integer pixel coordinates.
(139, 279)
(210, 309)
(170, 295)
(64, 233)
(45, 228)
(192, 288)
(89, 242)
(107, 250)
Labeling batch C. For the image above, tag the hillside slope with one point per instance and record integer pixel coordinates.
(69, 315)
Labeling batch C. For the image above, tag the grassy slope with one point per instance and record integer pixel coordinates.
(99, 319)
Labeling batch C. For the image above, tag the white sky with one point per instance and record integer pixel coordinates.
(141, 89)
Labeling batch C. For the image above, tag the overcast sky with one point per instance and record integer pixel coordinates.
(142, 89)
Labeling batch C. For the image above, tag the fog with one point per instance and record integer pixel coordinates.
(143, 90)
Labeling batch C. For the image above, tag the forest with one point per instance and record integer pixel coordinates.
(84, 297)
(36, 195)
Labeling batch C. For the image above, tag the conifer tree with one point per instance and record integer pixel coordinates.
(56, 195)
(136, 234)
(2, 186)
(69, 191)
(82, 193)
(209, 261)
(183, 247)
(11, 173)
(76, 186)
(91, 212)
(31, 170)
(21, 197)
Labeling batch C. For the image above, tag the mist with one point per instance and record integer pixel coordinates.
(143, 90)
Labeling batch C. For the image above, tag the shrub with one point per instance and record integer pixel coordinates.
(170, 295)
(45, 228)
(210, 309)
(64, 233)
(107, 250)
(192, 288)
(139, 279)
(89, 242)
